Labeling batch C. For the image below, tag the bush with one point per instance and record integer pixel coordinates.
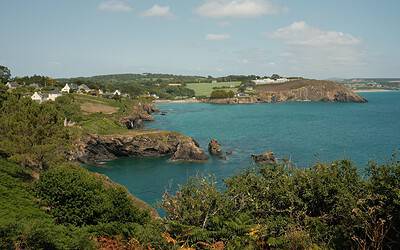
(326, 206)
(77, 197)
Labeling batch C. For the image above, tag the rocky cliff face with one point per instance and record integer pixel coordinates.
(95, 148)
(140, 113)
(298, 90)
(307, 90)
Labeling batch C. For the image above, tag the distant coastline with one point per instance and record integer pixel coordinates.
(373, 90)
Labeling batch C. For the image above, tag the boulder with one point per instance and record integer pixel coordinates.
(189, 150)
(265, 158)
(214, 148)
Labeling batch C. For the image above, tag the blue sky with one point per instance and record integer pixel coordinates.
(311, 38)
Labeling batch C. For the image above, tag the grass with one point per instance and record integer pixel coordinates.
(205, 89)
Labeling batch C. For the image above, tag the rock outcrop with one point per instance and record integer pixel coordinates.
(295, 91)
(214, 148)
(95, 149)
(189, 150)
(307, 90)
(265, 158)
(139, 114)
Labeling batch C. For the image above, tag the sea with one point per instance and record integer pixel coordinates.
(305, 133)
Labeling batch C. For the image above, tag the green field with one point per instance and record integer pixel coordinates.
(205, 89)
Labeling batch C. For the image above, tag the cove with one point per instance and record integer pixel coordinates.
(306, 133)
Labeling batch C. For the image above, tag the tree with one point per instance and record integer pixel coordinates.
(32, 134)
(5, 74)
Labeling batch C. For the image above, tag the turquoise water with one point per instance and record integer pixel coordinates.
(304, 132)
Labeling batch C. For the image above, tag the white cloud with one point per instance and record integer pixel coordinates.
(237, 8)
(311, 50)
(217, 37)
(115, 6)
(300, 33)
(158, 11)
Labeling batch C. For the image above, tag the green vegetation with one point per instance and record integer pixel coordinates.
(5, 74)
(32, 134)
(23, 224)
(66, 209)
(328, 206)
(77, 197)
(218, 94)
(205, 89)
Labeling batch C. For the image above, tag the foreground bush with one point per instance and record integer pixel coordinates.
(74, 196)
(326, 206)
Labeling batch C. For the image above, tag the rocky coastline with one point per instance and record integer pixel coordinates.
(95, 149)
(295, 91)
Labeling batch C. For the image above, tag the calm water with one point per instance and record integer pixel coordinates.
(304, 132)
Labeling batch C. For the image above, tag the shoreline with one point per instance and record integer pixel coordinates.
(373, 90)
(179, 101)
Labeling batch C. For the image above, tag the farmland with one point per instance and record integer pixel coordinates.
(205, 89)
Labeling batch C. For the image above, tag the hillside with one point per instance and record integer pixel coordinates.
(306, 90)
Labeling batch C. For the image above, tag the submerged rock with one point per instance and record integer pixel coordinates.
(265, 158)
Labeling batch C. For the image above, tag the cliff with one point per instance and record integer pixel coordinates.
(306, 90)
(298, 90)
(94, 149)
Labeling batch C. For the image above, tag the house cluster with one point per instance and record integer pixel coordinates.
(270, 80)
(68, 88)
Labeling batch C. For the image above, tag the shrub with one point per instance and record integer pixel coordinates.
(77, 197)
(274, 206)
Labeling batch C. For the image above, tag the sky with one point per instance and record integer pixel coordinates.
(309, 38)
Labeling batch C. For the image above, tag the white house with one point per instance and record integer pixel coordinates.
(270, 80)
(69, 87)
(38, 97)
(117, 92)
(84, 88)
(100, 92)
(54, 94)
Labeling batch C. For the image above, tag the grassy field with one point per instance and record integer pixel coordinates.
(205, 89)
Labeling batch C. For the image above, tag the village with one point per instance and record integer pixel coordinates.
(41, 95)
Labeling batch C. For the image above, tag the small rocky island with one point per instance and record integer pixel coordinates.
(295, 91)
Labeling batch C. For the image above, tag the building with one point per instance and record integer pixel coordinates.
(83, 88)
(69, 87)
(117, 92)
(155, 96)
(174, 84)
(12, 85)
(270, 81)
(38, 97)
(240, 94)
(54, 94)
